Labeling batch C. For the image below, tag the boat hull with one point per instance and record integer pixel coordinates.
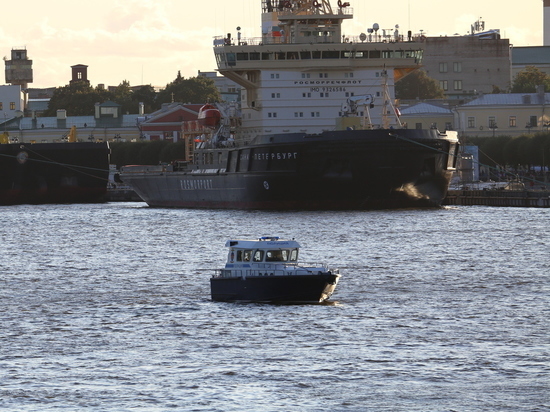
(53, 173)
(372, 169)
(275, 289)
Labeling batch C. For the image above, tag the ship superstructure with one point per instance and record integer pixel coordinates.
(298, 76)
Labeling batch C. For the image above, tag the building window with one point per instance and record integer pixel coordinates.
(448, 126)
(471, 122)
(457, 67)
(492, 122)
(512, 121)
(458, 84)
(12, 106)
(443, 68)
(444, 84)
(532, 120)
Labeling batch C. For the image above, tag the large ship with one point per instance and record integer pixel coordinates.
(316, 128)
(64, 172)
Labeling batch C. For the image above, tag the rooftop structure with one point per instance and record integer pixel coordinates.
(19, 68)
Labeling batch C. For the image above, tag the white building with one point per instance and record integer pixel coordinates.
(12, 102)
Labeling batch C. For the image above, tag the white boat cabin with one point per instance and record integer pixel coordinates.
(267, 256)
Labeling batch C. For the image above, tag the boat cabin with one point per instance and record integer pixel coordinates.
(266, 249)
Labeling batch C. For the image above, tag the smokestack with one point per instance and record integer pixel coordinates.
(546, 22)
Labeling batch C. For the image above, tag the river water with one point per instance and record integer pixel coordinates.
(106, 307)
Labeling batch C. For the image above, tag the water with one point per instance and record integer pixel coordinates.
(106, 308)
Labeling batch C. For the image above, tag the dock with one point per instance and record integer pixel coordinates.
(498, 197)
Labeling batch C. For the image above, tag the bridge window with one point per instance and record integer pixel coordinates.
(276, 256)
(244, 255)
(258, 256)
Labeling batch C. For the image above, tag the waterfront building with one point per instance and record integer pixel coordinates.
(467, 65)
(424, 115)
(509, 114)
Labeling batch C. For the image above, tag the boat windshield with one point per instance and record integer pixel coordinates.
(277, 255)
(244, 255)
(258, 256)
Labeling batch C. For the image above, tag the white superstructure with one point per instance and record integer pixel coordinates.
(299, 74)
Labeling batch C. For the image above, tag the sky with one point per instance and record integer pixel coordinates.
(149, 41)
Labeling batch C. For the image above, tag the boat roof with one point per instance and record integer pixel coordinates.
(264, 242)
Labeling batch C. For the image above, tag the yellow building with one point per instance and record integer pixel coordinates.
(510, 114)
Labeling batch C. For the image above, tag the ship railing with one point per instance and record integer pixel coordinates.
(342, 11)
(220, 41)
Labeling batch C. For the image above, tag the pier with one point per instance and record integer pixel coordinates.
(498, 197)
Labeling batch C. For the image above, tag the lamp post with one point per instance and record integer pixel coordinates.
(493, 127)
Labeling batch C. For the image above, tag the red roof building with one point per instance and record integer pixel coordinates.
(167, 123)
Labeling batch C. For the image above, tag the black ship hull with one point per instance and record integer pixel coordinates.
(364, 169)
(275, 289)
(53, 173)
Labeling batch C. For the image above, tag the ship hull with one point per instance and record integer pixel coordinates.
(275, 289)
(53, 173)
(371, 169)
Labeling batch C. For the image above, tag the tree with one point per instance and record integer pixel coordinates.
(145, 95)
(78, 98)
(123, 96)
(418, 85)
(192, 90)
(527, 80)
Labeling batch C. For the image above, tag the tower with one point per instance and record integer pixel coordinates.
(19, 69)
(79, 73)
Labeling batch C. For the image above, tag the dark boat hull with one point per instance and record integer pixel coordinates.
(53, 173)
(276, 289)
(335, 170)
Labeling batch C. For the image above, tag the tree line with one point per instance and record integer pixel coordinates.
(79, 98)
(146, 152)
(528, 150)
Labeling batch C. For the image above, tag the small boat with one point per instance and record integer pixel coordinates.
(267, 270)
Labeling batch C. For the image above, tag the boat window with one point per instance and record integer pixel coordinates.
(331, 55)
(231, 61)
(258, 256)
(276, 256)
(254, 56)
(247, 255)
(294, 255)
(239, 255)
